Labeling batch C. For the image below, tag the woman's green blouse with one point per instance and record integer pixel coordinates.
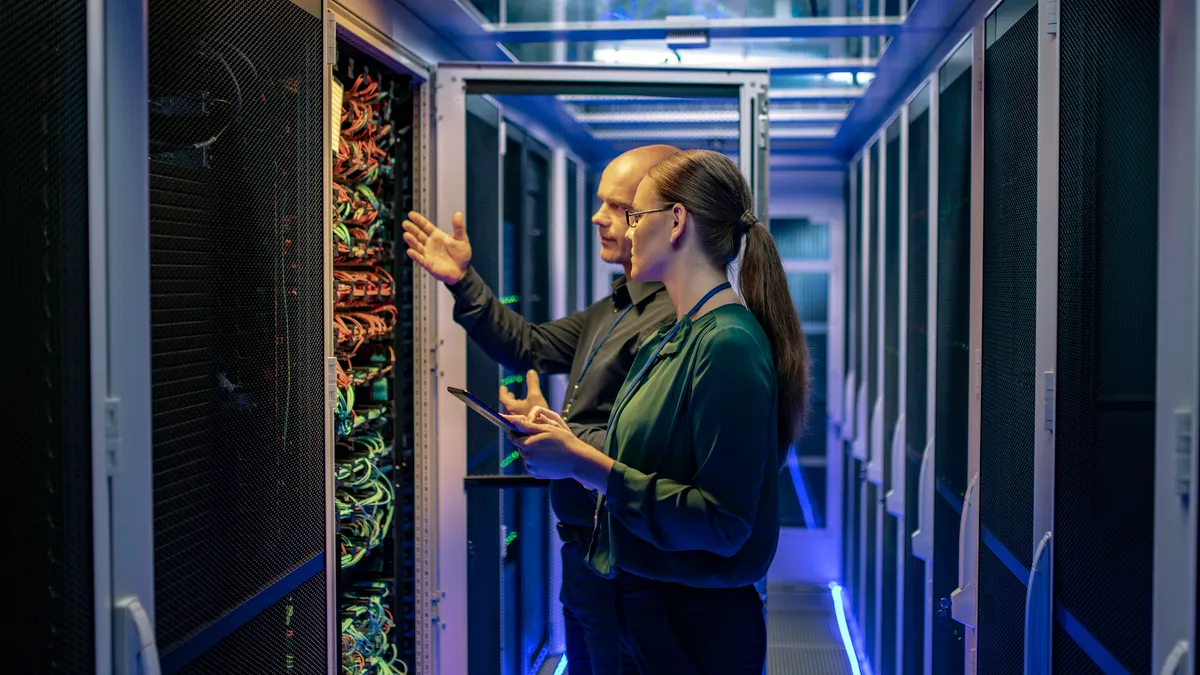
(693, 496)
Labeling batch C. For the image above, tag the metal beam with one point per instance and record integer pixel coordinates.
(707, 132)
(817, 66)
(818, 95)
(717, 29)
(806, 94)
(933, 29)
(706, 116)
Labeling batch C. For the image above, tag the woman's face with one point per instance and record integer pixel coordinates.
(650, 233)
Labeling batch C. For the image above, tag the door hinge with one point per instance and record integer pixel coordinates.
(331, 368)
(1183, 451)
(112, 435)
(1052, 17)
(331, 39)
(1048, 400)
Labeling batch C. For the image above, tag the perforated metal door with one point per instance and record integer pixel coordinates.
(1104, 471)
(870, 366)
(237, 326)
(853, 522)
(916, 382)
(953, 362)
(891, 392)
(45, 195)
(1009, 321)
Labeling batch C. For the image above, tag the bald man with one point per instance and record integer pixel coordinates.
(596, 347)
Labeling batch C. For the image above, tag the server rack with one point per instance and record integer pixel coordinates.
(237, 327)
(376, 179)
(1009, 381)
(888, 358)
(1106, 346)
(952, 352)
(917, 386)
(871, 411)
(849, 417)
(51, 140)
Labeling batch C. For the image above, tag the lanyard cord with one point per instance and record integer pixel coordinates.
(666, 338)
(592, 351)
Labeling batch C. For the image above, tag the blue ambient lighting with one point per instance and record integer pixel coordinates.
(810, 521)
(844, 627)
(562, 666)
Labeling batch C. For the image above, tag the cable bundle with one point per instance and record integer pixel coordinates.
(364, 324)
(366, 622)
(364, 501)
(363, 161)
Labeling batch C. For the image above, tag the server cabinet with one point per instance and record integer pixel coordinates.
(887, 357)
(457, 84)
(54, 190)
(1106, 346)
(377, 178)
(1009, 382)
(851, 463)
(239, 316)
(952, 353)
(917, 322)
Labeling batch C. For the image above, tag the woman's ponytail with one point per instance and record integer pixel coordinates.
(718, 198)
(764, 289)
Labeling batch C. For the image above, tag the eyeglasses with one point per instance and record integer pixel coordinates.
(632, 218)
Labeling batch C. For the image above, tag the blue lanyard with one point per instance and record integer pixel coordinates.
(597, 342)
(667, 338)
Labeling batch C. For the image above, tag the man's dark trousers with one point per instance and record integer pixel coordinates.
(589, 613)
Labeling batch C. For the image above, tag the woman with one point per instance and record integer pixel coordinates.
(687, 516)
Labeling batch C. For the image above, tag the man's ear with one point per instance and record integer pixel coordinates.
(680, 215)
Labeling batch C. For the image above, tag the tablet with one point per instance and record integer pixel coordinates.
(483, 409)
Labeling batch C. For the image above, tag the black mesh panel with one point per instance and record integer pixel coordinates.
(1009, 323)
(1001, 607)
(1106, 325)
(237, 306)
(290, 636)
(45, 196)
(916, 384)
(953, 362)
(891, 373)
(870, 367)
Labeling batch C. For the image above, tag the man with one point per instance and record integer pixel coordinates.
(596, 347)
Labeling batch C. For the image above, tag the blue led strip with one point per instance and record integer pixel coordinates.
(1089, 644)
(844, 627)
(240, 615)
(806, 506)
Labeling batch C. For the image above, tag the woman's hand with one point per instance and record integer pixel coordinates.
(551, 450)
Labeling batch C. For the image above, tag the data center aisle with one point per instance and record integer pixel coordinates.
(802, 632)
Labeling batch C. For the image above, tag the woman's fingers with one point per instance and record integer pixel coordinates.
(538, 414)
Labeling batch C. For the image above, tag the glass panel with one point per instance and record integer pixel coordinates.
(800, 238)
(810, 292)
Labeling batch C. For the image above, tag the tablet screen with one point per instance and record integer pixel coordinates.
(482, 408)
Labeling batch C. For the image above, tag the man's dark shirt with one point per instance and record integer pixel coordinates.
(562, 346)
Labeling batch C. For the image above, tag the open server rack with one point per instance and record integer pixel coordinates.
(372, 191)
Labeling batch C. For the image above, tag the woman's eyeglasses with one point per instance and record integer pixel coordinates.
(632, 218)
